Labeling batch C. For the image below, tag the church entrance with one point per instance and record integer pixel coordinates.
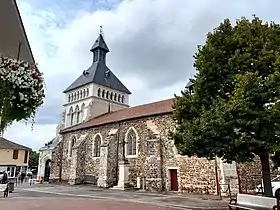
(47, 170)
(173, 180)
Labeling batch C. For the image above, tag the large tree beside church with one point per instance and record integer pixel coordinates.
(234, 109)
(21, 91)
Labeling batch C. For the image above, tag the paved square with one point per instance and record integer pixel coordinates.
(59, 197)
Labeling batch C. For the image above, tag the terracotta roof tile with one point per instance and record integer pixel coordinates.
(6, 144)
(156, 108)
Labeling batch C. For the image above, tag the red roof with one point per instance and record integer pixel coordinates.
(156, 108)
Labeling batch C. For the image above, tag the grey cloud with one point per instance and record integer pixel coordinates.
(158, 48)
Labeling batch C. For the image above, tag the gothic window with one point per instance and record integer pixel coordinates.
(82, 112)
(87, 91)
(99, 92)
(71, 116)
(77, 111)
(81, 94)
(69, 98)
(107, 95)
(72, 97)
(131, 142)
(111, 95)
(103, 93)
(122, 99)
(115, 97)
(72, 143)
(75, 96)
(84, 93)
(96, 146)
(119, 98)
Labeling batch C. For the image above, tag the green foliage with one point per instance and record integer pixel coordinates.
(33, 159)
(234, 112)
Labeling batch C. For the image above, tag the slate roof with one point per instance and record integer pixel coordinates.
(146, 110)
(96, 73)
(49, 145)
(100, 43)
(189, 84)
(6, 144)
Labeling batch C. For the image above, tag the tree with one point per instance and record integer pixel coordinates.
(234, 111)
(33, 159)
(21, 91)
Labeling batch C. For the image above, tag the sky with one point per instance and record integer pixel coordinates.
(151, 42)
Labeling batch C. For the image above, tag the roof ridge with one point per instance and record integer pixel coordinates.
(144, 110)
(10, 144)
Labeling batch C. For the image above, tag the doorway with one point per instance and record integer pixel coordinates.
(47, 170)
(173, 179)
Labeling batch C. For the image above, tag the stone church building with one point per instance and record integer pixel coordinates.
(103, 139)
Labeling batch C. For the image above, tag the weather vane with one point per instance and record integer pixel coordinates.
(101, 31)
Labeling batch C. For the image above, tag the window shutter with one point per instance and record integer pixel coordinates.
(15, 154)
(25, 156)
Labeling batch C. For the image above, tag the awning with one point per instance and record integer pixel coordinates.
(13, 39)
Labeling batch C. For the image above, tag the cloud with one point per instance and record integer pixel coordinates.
(151, 45)
(23, 134)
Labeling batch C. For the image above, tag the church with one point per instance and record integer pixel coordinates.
(103, 141)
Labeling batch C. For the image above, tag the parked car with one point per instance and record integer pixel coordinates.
(275, 182)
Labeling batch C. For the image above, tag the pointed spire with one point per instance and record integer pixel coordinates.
(100, 42)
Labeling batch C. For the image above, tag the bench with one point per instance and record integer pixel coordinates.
(89, 179)
(252, 202)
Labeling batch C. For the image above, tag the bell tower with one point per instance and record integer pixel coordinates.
(97, 90)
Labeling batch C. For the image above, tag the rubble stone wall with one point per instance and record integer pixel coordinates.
(156, 154)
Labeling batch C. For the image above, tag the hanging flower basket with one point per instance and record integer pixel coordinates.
(21, 91)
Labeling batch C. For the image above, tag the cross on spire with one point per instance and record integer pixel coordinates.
(101, 31)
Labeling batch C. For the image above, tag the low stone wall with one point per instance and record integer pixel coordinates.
(250, 174)
(196, 175)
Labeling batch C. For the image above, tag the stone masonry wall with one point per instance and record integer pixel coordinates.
(56, 161)
(250, 174)
(156, 154)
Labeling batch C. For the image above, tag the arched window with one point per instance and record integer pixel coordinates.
(72, 97)
(96, 146)
(82, 112)
(115, 97)
(78, 95)
(71, 116)
(72, 143)
(119, 98)
(87, 92)
(84, 93)
(69, 98)
(75, 95)
(122, 99)
(77, 111)
(107, 95)
(111, 95)
(131, 142)
(99, 92)
(95, 56)
(81, 94)
(103, 93)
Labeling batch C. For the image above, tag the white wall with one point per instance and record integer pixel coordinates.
(94, 105)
